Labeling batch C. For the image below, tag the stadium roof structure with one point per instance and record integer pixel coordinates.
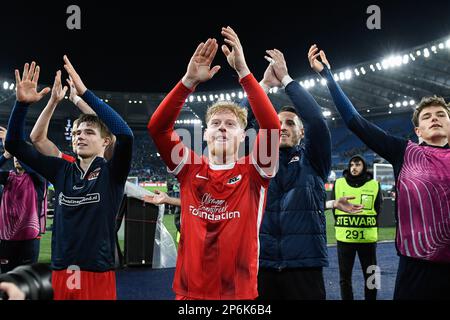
(389, 85)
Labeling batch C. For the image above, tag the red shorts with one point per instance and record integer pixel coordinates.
(84, 285)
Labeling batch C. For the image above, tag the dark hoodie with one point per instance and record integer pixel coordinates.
(360, 180)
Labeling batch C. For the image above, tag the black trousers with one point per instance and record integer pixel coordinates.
(291, 284)
(18, 253)
(422, 280)
(346, 257)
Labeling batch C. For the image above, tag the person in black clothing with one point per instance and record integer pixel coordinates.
(357, 177)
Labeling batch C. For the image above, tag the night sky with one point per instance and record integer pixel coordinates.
(130, 46)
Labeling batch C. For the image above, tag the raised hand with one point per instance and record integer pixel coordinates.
(235, 57)
(26, 88)
(278, 63)
(78, 84)
(314, 62)
(199, 67)
(58, 92)
(73, 91)
(343, 204)
(270, 79)
(160, 197)
(3, 132)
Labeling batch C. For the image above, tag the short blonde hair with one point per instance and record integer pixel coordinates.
(220, 106)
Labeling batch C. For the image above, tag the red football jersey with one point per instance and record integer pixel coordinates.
(222, 208)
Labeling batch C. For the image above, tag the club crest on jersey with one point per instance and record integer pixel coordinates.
(234, 180)
(295, 159)
(94, 174)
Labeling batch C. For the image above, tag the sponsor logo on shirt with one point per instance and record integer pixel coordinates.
(94, 174)
(78, 201)
(235, 179)
(213, 209)
(201, 177)
(295, 159)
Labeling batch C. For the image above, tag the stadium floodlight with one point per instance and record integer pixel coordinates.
(211, 98)
(390, 112)
(391, 105)
(418, 53)
(447, 43)
(228, 97)
(372, 68)
(199, 99)
(385, 64)
(336, 77)
(405, 103)
(312, 83)
(398, 104)
(363, 71)
(191, 98)
(412, 102)
(135, 101)
(233, 95)
(412, 57)
(357, 72)
(441, 46)
(341, 76)
(11, 86)
(66, 97)
(378, 66)
(434, 49)
(204, 98)
(333, 119)
(348, 74)
(326, 113)
(216, 96)
(368, 110)
(221, 97)
(302, 83)
(129, 101)
(405, 59)
(426, 52)
(323, 82)
(240, 95)
(5, 85)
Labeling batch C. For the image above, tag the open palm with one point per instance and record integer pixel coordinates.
(27, 86)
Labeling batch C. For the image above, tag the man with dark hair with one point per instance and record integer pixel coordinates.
(89, 191)
(357, 233)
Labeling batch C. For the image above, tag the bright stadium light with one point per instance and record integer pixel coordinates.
(221, 97)
(398, 104)
(405, 103)
(447, 43)
(199, 99)
(341, 76)
(240, 95)
(233, 95)
(216, 96)
(426, 52)
(348, 74)
(312, 83)
(204, 98)
(412, 102)
(129, 101)
(405, 59)
(434, 49)
(326, 113)
(441, 46)
(5, 85)
(372, 68)
(323, 82)
(211, 98)
(368, 110)
(11, 86)
(385, 64)
(357, 72)
(336, 77)
(191, 98)
(363, 71)
(390, 112)
(418, 53)
(378, 66)
(412, 57)
(333, 119)
(391, 105)
(228, 97)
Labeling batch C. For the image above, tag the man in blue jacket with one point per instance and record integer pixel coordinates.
(293, 233)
